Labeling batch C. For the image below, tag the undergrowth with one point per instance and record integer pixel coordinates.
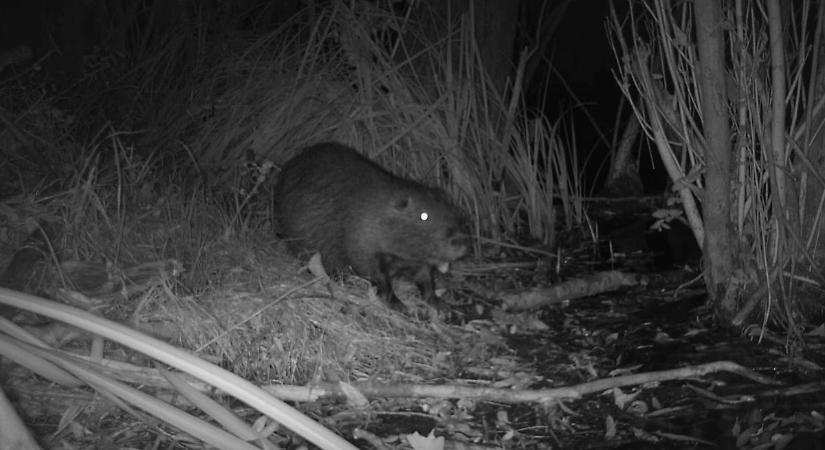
(193, 133)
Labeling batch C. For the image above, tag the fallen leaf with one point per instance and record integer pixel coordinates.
(418, 442)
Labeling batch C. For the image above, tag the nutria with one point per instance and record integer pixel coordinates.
(332, 200)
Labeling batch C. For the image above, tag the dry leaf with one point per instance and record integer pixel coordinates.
(418, 442)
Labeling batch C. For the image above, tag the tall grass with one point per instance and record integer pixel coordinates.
(419, 102)
(422, 106)
(211, 124)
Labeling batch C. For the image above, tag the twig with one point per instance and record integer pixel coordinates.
(570, 289)
(312, 393)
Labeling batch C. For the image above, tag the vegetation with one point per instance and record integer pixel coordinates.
(772, 231)
(162, 143)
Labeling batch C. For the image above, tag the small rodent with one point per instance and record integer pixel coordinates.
(333, 200)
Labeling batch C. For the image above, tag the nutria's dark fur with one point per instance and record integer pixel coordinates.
(331, 199)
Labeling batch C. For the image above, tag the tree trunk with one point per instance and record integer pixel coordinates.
(494, 22)
(814, 144)
(715, 120)
(623, 178)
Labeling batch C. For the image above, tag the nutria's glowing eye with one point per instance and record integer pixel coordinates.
(424, 216)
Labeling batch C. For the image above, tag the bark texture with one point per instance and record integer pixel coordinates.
(716, 127)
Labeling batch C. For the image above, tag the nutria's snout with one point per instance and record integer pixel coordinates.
(459, 245)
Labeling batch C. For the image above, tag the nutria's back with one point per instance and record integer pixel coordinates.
(331, 199)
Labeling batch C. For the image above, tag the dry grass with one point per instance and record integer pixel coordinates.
(242, 300)
(272, 323)
(183, 187)
(429, 114)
